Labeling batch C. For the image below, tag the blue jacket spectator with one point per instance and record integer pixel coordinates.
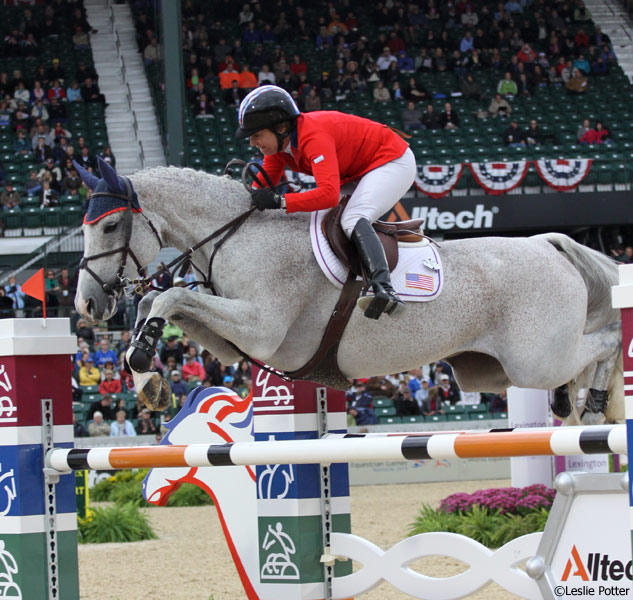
(360, 406)
(582, 64)
(177, 385)
(21, 144)
(14, 291)
(251, 35)
(105, 353)
(405, 63)
(121, 427)
(467, 44)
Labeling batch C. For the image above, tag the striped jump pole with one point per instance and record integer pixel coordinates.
(351, 448)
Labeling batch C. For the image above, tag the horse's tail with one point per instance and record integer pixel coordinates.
(600, 274)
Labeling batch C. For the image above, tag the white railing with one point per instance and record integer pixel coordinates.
(71, 241)
(128, 91)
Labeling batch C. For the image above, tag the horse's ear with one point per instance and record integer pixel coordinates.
(115, 183)
(86, 176)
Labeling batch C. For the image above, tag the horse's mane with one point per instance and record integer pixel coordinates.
(196, 186)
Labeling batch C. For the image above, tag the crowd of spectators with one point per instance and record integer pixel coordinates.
(389, 53)
(36, 107)
(98, 369)
(413, 394)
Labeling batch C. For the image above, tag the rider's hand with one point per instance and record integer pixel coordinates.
(265, 198)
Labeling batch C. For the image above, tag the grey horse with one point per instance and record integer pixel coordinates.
(531, 312)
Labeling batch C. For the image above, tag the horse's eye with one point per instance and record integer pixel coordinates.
(109, 228)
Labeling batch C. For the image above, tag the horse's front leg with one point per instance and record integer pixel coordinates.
(256, 330)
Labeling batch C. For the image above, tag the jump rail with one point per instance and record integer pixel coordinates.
(350, 448)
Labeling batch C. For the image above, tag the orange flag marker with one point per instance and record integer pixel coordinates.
(34, 287)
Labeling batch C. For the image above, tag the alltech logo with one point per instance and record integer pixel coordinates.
(594, 575)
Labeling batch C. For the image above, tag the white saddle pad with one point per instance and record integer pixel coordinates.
(417, 278)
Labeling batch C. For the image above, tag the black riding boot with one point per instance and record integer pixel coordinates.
(372, 255)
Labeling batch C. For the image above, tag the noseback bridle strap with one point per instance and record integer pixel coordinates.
(120, 282)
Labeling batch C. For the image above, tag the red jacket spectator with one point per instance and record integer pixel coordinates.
(298, 66)
(113, 386)
(526, 54)
(192, 370)
(224, 65)
(581, 39)
(595, 136)
(56, 92)
(396, 44)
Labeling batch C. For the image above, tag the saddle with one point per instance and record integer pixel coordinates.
(388, 233)
(323, 366)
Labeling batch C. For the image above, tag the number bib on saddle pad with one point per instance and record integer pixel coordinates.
(418, 277)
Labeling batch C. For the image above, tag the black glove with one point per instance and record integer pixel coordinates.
(265, 198)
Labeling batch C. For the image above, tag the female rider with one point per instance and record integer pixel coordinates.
(335, 148)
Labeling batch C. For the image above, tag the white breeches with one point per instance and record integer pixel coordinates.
(378, 191)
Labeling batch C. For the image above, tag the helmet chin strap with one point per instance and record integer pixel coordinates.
(282, 136)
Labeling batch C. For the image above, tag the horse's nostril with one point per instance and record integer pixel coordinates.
(90, 304)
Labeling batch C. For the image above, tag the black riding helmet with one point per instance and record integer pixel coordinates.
(263, 108)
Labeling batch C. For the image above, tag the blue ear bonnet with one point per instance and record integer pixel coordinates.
(102, 206)
(102, 203)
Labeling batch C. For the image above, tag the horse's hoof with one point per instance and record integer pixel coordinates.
(156, 393)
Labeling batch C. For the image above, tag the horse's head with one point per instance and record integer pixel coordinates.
(118, 243)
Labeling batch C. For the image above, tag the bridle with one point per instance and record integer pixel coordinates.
(181, 263)
(121, 283)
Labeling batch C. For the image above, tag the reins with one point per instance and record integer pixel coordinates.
(183, 262)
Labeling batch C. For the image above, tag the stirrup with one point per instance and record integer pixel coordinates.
(383, 301)
(144, 344)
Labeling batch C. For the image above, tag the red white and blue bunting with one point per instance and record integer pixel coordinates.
(563, 174)
(499, 177)
(437, 181)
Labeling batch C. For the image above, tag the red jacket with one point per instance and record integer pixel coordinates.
(110, 387)
(593, 136)
(335, 148)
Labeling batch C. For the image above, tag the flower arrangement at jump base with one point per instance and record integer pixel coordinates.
(492, 517)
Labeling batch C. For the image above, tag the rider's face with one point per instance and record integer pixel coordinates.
(265, 140)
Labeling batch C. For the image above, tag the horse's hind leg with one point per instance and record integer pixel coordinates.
(600, 348)
(597, 395)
